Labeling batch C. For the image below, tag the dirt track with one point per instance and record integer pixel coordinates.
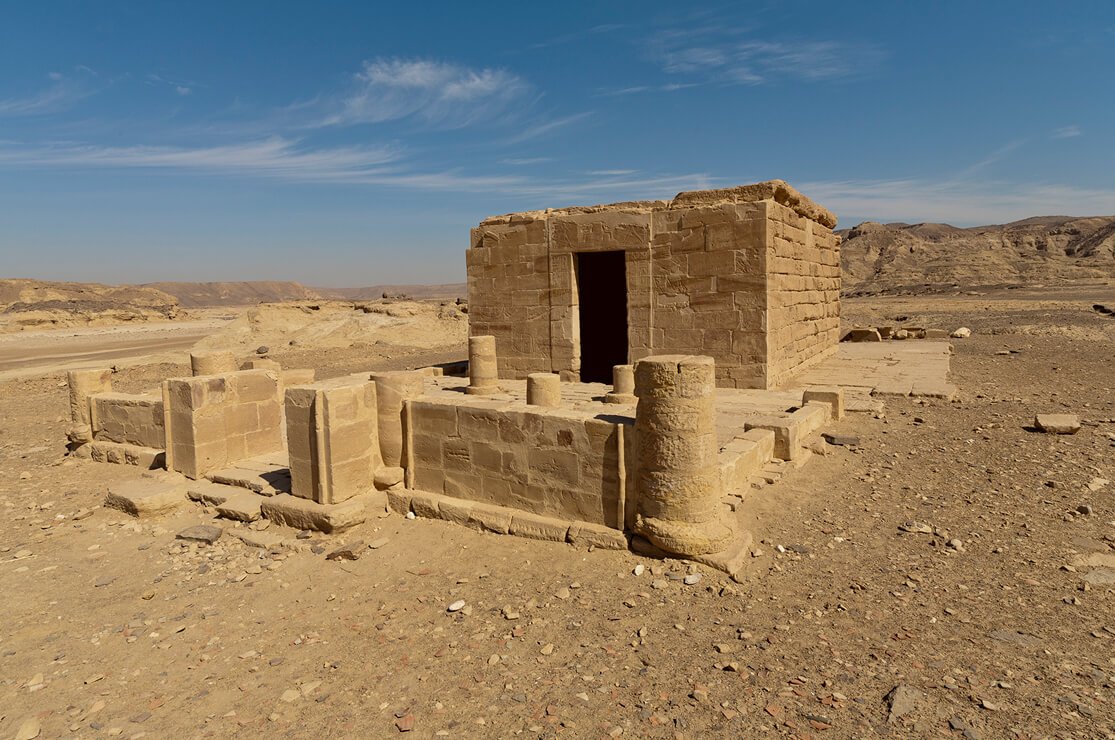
(119, 628)
(37, 352)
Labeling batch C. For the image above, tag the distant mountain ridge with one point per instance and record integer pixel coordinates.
(446, 291)
(887, 257)
(236, 293)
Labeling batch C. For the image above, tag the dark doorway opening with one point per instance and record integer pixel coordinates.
(602, 300)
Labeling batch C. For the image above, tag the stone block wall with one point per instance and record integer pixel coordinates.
(332, 439)
(803, 293)
(125, 418)
(749, 276)
(556, 463)
(215, 420)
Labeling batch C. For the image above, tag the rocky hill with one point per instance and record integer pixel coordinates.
(447, 291)
(242, 293)
(879, 258)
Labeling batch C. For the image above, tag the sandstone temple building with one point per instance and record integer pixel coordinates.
(749, 276)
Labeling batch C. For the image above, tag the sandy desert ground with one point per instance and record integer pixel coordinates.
(844, 625)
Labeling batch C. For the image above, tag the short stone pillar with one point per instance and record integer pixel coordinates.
(332, 439)
(543, 389)
(393, 388)
(83, 384)
(483, 371)
(212, 363)
(623, 385)
(677, 477)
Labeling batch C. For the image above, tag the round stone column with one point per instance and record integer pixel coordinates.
(543, 389)
(212, 363)
(677, 472)
(393, 387)
(483, 372)
(623, 385)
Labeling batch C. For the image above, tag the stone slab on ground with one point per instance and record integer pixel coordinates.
(242, 507)
(146, 497)
(207, 533)
(584, 534)
(538, 527)
(264, 482)
(301, 513)
(1057, 423)
(490, 518)
(209, 493)
(263, 539)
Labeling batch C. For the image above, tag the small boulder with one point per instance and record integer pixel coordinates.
(206, 533)
(1057, 423)
(862, 335)
(961, 333)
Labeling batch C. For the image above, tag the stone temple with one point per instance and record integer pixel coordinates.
(749, 276)
(635, 372)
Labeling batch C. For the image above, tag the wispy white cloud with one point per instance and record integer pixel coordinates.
(274, 157)
(999, 154)
(955, 202)
(282, 159)
(63, 92)
(439, 93)
(603, 28)
(1067, 132)
(545, 127)
(180, 87)
(728, 56)
(525, 161)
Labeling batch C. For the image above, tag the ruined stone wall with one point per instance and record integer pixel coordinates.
(126, 418)
(332, 439)
(216, 420)
(709, 295)
(749, 276)
(803, 293)
(556, 463)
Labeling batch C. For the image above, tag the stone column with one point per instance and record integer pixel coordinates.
(82, 385)
(392, 389)
(623, 385)
(483, 373)
(677, 477)
(543, 389)
(212, 363)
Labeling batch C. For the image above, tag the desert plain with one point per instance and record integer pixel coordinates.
(949, 572)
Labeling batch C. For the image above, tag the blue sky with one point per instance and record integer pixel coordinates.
(356, 143)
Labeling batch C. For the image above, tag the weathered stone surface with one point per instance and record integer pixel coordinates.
(455, 510)
(834, 396)
(1057, 423)
(862, 335)
(388, 476)
(243, 507)
(206, 533)
(145, 497)
(490, 518)
(301, 513)
(424, 504)
(583, 534)
(538, 527)
(209, 493)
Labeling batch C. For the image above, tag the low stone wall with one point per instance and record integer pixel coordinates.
(125, 418)
(215, 420)
(552, 462)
